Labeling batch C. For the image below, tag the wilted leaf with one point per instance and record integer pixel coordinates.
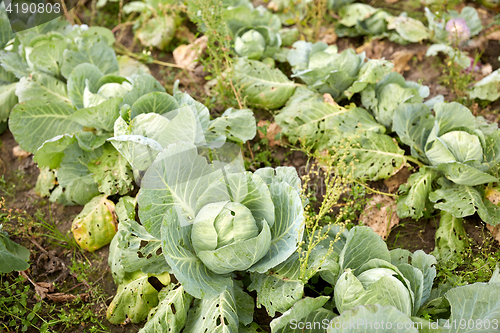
(380, 215)
(95, 226)
(186, 55)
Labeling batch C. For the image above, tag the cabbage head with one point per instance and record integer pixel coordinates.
(251, 44)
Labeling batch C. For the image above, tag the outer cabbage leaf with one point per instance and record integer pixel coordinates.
(51, 153)
(451, 240)
(362, 245)
(32, 123)
(371, 314)
(155, 102)
(94, 51)
(171, 313)
(412, 123)
(488, 88)
(236, 125)
(134, 298)
(102, 116)
(95, 226)
(177, 178)
(288, 228)
(479, 301)
(215, 314)
(48, 57)
(462, 200)
(413, 200)
(8, 100)
(300, 310)
(375, 156)
(280, 289)
(13, 257)
(112, 172)
(42, 86)
(142, 84)
(261, 85)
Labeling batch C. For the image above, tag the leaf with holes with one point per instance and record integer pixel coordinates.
(171, 313)
(261, 85)
(462, 201)
(451, 240)
(215, 314)
(279, 289)
(413, 198)
(375, 156)
(112, 172)
(95, 226)
(135, 297)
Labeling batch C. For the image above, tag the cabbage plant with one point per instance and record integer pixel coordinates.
(461, 149)
(341, 75)
(205, 220)
(255, 31)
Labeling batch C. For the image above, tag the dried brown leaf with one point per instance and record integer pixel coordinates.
(19, 152)
(380, 215)
(400, 60)
(185, 55)
(272, 131)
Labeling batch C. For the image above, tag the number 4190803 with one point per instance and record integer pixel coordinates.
(34, 8)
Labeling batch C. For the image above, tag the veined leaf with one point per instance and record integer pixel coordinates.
(13, 63)
(155, 102)
(171, 313)
(236, 125)
(134, 298)
(112, 172)
(32, 123)
(177, 178)
(362, 245)
(463, 174)
(215, 314)
(375, 156)
(48, 57)
(451, 240)
(95, 226)
(279, 289)
(413, 123)
(414, 202)
(479, 301)
(13, 257)
(297, 312)
(51, 153)
(261, 85)
(81, 77)
(94, 51)
(463, 200)
(288, 226)
(41, 86)
(8, 100)
(142, 84)
(102, 116)
(371, 314)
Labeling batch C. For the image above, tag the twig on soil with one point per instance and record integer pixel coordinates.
(250, 149)
(236, 94)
